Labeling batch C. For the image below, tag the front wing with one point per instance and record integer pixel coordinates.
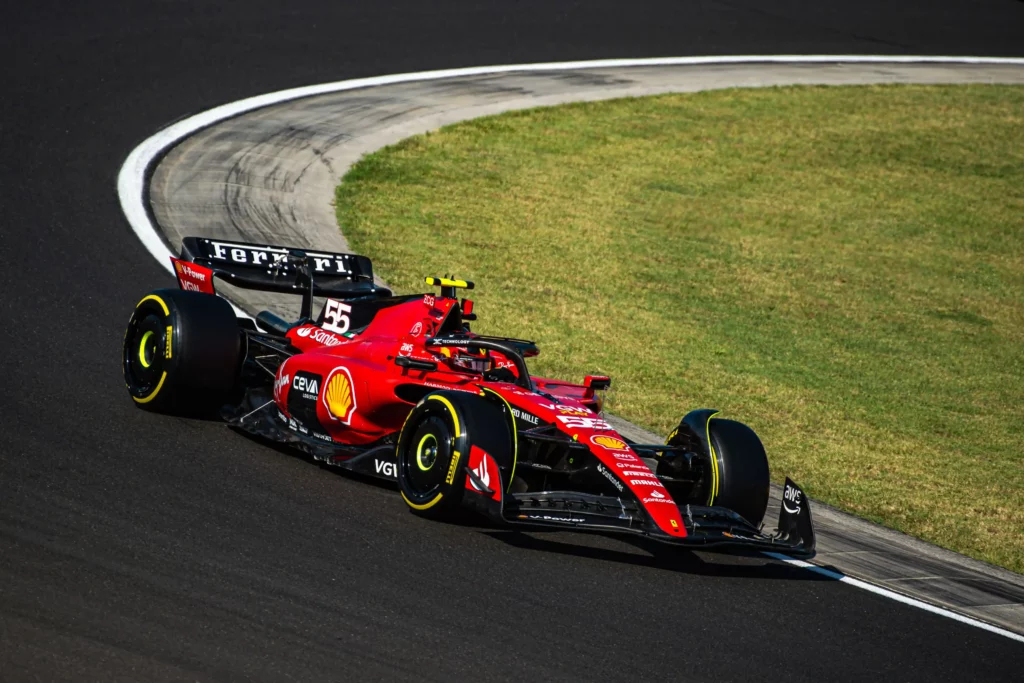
(710, 527)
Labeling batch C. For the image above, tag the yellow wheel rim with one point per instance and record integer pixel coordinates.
(142, 349)
(426, 452)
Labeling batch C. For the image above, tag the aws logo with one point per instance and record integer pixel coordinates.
(340, 395)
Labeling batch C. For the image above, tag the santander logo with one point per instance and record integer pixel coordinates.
(318, 335)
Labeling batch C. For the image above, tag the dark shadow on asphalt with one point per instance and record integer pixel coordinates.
(732, 565)
(293, 452)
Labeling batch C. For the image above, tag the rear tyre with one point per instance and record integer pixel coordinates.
(434, 445)
(742, 466)
(181, 352)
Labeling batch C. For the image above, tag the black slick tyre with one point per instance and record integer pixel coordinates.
(434, 447)
(181, 352)
(741, 466)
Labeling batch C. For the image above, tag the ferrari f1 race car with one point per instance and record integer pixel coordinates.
(399, 387)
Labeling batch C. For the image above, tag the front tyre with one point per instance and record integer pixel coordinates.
(429, 462)
(434, 449)
(734, 471)
(181, 352)
(742, 468)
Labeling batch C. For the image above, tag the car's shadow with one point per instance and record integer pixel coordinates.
(734, 564)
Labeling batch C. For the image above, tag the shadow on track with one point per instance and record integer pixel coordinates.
(732, 565)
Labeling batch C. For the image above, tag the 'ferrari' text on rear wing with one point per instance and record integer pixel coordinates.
(283, 269)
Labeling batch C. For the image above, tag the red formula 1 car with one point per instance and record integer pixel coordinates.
(398, 387)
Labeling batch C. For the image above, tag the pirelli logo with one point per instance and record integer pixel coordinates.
(452, 468)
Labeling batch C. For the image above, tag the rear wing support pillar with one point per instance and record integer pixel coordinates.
(300, 260)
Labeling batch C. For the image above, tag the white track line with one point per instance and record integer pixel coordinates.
(134, 175)
(898, 597)
(131, 181)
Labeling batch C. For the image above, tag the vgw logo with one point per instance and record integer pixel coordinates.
(388, 469)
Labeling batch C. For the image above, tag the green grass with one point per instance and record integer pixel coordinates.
(841, 268)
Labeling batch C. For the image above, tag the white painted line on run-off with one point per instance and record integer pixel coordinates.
(898, 597)
(131, 181)
(134, 174)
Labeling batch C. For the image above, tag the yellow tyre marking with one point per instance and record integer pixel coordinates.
(714, 460)
(455, 418)
(157, 299)
(426, 506)
(453, 468)
(401, 432)
(169, 336)
(142, 348)
(515, 436)
(159, 385)
(401, 435)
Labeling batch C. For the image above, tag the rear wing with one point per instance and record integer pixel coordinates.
(278, 269)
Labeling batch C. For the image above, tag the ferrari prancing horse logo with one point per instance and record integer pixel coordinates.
(339, 395)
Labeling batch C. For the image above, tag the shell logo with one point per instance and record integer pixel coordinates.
(609, 442)
(177, 266)
(340, 397)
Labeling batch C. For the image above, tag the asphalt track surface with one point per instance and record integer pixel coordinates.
(139, 547)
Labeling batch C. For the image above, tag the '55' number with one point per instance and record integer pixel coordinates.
(583, 422)
(336, 316)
